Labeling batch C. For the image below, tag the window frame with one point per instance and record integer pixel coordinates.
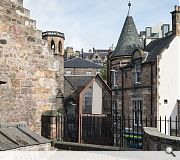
(137, 112)
(137, 73)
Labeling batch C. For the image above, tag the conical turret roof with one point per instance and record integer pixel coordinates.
(128, 40)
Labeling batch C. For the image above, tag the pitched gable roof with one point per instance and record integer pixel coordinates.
(80, 82)
(80, 63)
(156, 47)
(77, 81)
(128, 40)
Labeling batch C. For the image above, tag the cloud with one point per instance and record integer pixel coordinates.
(88, 23)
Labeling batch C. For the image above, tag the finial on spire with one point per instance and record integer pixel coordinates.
(129, 4)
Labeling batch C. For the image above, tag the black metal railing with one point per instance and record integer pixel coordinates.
(125, 132)
(96, 129)
(92, 129)
(128, 132)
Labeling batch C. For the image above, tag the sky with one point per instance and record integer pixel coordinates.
(96, 23)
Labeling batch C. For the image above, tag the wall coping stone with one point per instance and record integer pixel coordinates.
(87, 147)
(154, 132)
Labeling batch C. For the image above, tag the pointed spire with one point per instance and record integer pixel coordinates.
(129, 39)
(129, 4)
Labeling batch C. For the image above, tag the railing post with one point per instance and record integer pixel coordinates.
(170, 126)
(176, 125)
(146, 121)
(160, 123)
(129, 131)
(165, 124)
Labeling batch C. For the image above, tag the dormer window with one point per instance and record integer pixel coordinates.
(137, 73)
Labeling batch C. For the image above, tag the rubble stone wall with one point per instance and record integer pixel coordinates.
(27, 65)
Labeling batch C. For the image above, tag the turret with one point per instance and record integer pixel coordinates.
(55, 41)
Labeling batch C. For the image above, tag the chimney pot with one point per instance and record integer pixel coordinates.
(176, 8)
(176, 21)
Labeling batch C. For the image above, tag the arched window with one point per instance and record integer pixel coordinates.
(60, 47)
(52, 45)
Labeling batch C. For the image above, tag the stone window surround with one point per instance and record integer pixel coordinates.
(137, 99)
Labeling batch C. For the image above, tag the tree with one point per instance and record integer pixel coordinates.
(103, 71)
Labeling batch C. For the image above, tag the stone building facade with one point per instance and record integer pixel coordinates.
(98, 56)
(69, 53)
(29, 66)
(79, 66)
(143, 85)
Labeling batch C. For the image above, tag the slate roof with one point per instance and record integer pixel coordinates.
(102, 50)
(156, 47)
(78, 81)
(80, 63)
(128, 40)
(16, 136)
(89, 55)
(102, 53)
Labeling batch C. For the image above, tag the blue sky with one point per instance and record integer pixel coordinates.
(96, 23)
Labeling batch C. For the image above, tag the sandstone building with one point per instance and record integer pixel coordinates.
(32, 67)
(69, 53)
(79, 66)
(145, 81)
(98, 56)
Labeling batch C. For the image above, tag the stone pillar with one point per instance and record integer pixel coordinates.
(59, 104)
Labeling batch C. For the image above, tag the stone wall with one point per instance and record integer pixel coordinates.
(156, 141)
(87, 147)
(133, 92)
(41, 147)
(27, 65)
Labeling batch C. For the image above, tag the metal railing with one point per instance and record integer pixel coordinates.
(125, 132)
(128, 132)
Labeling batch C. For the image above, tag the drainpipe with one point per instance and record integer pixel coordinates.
(151, 93)
(122, 93)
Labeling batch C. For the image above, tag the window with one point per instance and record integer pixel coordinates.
(87, 102)
(60, 47)
(52, 45)
(113, 77)
(88, 73)
(165, 101)
(68, 72)
(137, 112)
(137, 73)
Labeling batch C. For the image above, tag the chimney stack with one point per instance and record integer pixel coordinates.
(176, 21)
